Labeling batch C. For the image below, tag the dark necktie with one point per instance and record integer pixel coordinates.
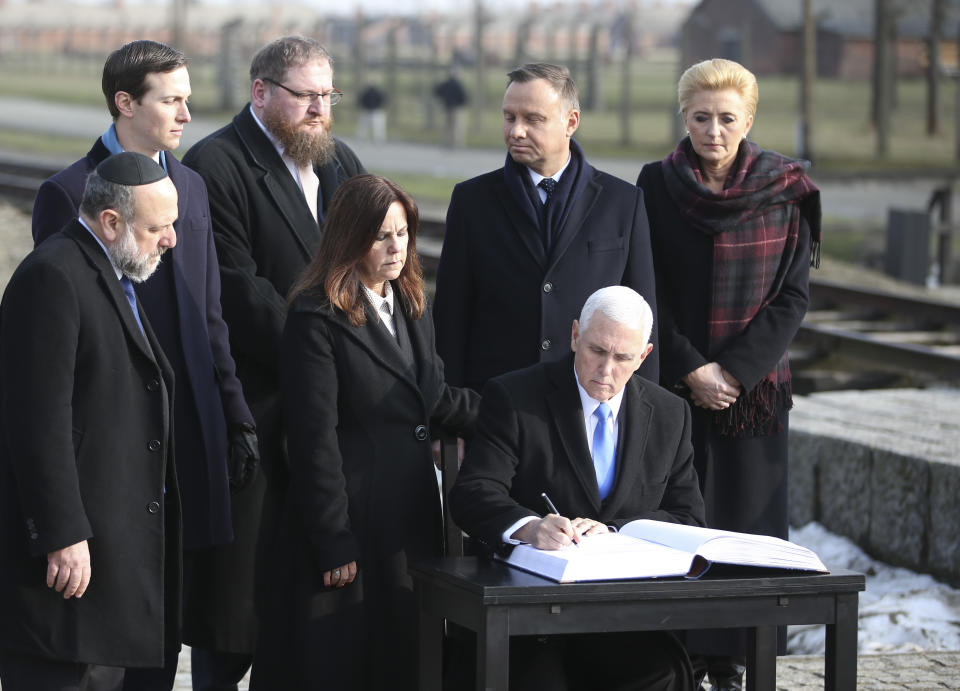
(547, 185)
(132, 299)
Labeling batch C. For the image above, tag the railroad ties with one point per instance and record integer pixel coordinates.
(858, 338)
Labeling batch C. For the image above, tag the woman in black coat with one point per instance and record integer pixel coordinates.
(733, 229)
(361, 389)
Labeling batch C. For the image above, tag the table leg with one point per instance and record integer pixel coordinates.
(493, 651)
(431, 646)
(840, 659)
(762, 658)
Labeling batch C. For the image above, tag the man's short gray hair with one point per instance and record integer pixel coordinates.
(621, 304)
(100, 195)
(557, 76)
(274, 59)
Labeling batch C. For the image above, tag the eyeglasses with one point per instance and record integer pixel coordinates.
(306, 98)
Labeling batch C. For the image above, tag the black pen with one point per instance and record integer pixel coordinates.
(550, 507)
(553, 509)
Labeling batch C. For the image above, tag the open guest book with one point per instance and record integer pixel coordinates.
(655, 549)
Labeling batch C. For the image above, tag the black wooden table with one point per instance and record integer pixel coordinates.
(497, 601)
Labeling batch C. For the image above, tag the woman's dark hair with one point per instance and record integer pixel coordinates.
(352, 223)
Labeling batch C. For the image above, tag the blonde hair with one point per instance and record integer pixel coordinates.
(718, 74)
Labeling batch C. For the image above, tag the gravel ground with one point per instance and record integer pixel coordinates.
(15, 239)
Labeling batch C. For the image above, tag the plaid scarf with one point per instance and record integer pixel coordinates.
(755, 224)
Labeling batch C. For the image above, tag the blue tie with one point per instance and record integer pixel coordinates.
(132, 299)
(603, 450)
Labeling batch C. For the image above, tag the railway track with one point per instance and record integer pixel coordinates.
(867, 338)
(851, 338)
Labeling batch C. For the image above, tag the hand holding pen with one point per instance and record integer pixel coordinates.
(563, 525)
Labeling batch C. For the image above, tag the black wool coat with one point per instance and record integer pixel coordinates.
(86, 453)
(363, 487)
(503, 304)
(531, 438)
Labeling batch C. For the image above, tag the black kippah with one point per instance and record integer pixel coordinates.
(131, 169)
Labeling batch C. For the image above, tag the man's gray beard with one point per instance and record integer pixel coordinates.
(126, 256)
(303, 148)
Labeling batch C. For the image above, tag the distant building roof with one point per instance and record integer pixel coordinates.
(854, 18)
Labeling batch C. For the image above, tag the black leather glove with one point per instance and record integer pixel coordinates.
(243, 457)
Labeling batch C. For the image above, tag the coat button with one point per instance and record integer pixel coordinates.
(153, 385)
(545, 344)
(548, 287)
(153, 507)
(420, 432)
(154, 445)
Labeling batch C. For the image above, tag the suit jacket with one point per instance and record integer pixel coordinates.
(530, 439)
(206, 370)
(357, 414)
(86, 453)
(503, 304)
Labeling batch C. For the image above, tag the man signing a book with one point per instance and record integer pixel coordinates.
(607, 448)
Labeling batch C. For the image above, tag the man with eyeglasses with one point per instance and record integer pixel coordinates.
(270, 173)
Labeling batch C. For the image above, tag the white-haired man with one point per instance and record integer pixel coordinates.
(608, 448)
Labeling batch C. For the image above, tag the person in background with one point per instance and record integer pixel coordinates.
(372, 119)
(734, 228)
(607, 447)
(147, 86)
(453, 96)
(361, 389)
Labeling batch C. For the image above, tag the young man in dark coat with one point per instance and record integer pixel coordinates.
(146, 85)
(607, 447)
(270, 174)
(89, 506)
(518, 260)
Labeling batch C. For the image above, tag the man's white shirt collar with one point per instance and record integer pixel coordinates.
(589, 404)
(104, 247)
(535, 177)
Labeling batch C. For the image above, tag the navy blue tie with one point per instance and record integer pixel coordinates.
(603, 450)
(132, 299)
(547, 185)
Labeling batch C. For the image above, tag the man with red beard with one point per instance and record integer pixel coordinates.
(270, 174)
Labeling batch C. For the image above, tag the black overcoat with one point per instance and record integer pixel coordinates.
(265, 236)
(86, 454)
(503, 304)
(362, 487)
(207, 372)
